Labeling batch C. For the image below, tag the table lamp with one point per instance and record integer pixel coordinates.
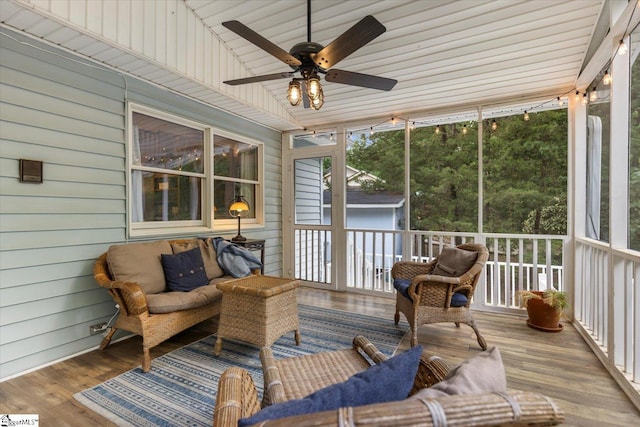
(239, 208)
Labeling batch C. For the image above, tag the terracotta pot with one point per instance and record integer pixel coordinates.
(542, 316)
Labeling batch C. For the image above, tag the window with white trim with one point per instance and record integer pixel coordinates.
(174, 184)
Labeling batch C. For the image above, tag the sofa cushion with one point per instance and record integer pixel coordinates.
(184, 271)
(168, 302)
(139, 263)
(387, 381)
(483, 373)
(209, 255)
(454, 262)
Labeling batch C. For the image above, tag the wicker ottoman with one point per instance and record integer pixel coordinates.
(258, 310)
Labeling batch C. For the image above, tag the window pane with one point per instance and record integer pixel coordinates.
(312, 179)
(598, 147)
(234, 159)
(224, 193)
(525, 173)
(444, 177)
(301, 141)
(634, 146)
(161, 144)
(165, 197)
(375, 180)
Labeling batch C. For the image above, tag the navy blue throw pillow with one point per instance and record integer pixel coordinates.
(387, 381)
(458, 300)
(402, 286)
(184, 271)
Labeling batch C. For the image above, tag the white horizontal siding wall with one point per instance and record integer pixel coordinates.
(69, 114)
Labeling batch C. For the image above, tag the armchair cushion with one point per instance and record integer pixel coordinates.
(139, 263)
(454, 262)
(184, 271)
(459, 299)
(402, 286)
(387, 381)
(483, 373)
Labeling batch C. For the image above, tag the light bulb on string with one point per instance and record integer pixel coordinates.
(494, 125)
(413, 125)
(606, 80)
(585, 101)
(526, 116)
(622, 48)
(464, 129)
(372, 131)
(577, 96)
(593, 96)
(560, 103)
(437, 129)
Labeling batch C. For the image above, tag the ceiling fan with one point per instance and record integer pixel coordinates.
(312, 59)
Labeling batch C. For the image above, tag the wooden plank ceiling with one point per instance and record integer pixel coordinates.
(446, 55)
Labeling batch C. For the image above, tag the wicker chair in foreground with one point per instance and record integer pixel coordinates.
(431, 287)
(237, 398)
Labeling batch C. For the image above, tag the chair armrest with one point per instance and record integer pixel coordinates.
(433, 290)
(273, 391)
(237, 398)
(516, 408)
(431, 370)
(362, 343)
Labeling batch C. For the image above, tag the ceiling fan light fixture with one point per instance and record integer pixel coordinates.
(317, 103)
(294, 93)
(314, 89)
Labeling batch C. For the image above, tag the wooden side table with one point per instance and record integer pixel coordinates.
(253, 245)
(258, 309)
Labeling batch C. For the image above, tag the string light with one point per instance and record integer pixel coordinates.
(464, 129)
(494, 125)
(371, 130)
(606, 80)
(593, 96)
(622, 48)
(526, 116)
(437, 129)
(585, 101)
(560, 103)
(577, 96)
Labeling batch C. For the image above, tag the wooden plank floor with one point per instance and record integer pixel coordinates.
(558, 365)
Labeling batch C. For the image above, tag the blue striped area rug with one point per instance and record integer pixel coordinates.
(180, 389)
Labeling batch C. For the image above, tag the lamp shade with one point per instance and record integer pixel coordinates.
(239, 207)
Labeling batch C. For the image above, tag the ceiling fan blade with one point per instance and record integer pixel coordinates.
(264, 44)
(256, 79)
(351, 40)
(359, 79)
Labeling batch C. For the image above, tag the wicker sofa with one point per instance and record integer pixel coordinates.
(133, 273)
(293, 377)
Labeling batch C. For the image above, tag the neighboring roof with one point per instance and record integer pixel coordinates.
(362, 198)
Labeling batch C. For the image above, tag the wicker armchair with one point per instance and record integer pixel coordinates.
(237, 398)
(431, 294)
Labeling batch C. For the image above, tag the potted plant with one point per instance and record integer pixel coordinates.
(544, 308)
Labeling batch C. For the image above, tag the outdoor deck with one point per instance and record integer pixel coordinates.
(558, 365)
